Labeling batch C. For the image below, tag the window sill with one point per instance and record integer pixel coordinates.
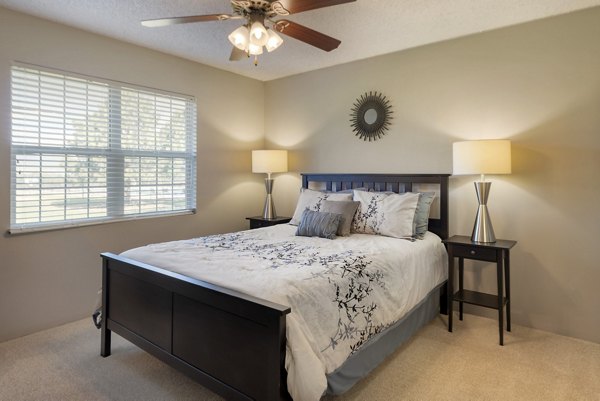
(63, 225)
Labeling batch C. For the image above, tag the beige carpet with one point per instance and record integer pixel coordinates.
(64, 364)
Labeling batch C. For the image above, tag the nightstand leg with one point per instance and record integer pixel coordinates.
(499, 264)
(450, 287)
(507, 285)
(461, 271)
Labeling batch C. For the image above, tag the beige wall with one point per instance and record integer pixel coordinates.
(537, 84)
(50, 278)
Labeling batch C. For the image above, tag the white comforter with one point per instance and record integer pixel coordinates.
(341, 292)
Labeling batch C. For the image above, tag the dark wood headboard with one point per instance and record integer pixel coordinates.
(399, 183)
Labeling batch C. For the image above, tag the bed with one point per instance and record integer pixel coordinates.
(242, 338)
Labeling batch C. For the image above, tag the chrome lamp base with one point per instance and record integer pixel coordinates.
(482, 229)
(269, 208)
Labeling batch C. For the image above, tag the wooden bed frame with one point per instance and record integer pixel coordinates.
(231, 343)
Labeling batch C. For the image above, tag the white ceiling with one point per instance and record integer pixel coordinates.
(366, 28)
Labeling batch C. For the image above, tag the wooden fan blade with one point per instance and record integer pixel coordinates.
(153, 23)
(298, 6)
(307, 35)
(237, 54)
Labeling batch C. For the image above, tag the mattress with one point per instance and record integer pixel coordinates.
(342, 292)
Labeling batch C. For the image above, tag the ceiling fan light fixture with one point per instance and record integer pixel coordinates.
(250, 38)
(239, 37)
(258, 34)
(274, 40)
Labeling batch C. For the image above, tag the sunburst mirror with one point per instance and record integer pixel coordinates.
(370, 116)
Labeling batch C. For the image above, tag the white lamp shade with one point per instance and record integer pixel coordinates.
(274, 41)
(255, 50)
(269, 161)
(258, 34)
(481, 157)
(239, 37)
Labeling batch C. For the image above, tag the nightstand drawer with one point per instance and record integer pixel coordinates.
(472, 252)
(259, 221)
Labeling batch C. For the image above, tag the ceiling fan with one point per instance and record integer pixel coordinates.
(249, 39)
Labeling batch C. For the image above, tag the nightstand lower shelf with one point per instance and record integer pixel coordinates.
(479, 299)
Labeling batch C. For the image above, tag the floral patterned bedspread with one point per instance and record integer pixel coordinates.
(341, 292)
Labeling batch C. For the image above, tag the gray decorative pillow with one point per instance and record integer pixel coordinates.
(421, 222)
(386, 214)
(345, 208)
(312, 200)
(318, 224)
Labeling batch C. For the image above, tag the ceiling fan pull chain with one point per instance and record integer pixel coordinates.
(256, 61)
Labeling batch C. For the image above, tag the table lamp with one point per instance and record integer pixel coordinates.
(269, 161)
(482, 157)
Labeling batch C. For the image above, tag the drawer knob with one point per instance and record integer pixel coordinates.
(472, 252)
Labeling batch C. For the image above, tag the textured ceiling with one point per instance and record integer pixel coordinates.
(366, 27)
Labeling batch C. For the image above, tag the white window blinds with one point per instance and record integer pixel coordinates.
(86, 150)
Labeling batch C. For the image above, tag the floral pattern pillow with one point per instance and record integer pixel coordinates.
(313, 200)
(386, 214)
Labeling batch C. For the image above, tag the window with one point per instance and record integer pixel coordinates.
(86, 150)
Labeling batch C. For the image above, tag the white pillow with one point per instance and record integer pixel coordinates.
(386, 214)
(313, 200)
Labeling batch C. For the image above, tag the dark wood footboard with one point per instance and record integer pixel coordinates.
(231, 343)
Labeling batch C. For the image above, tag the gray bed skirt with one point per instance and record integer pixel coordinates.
(378, 348)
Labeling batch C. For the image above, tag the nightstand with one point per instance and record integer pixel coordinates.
(259, 221)
(462, 247)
